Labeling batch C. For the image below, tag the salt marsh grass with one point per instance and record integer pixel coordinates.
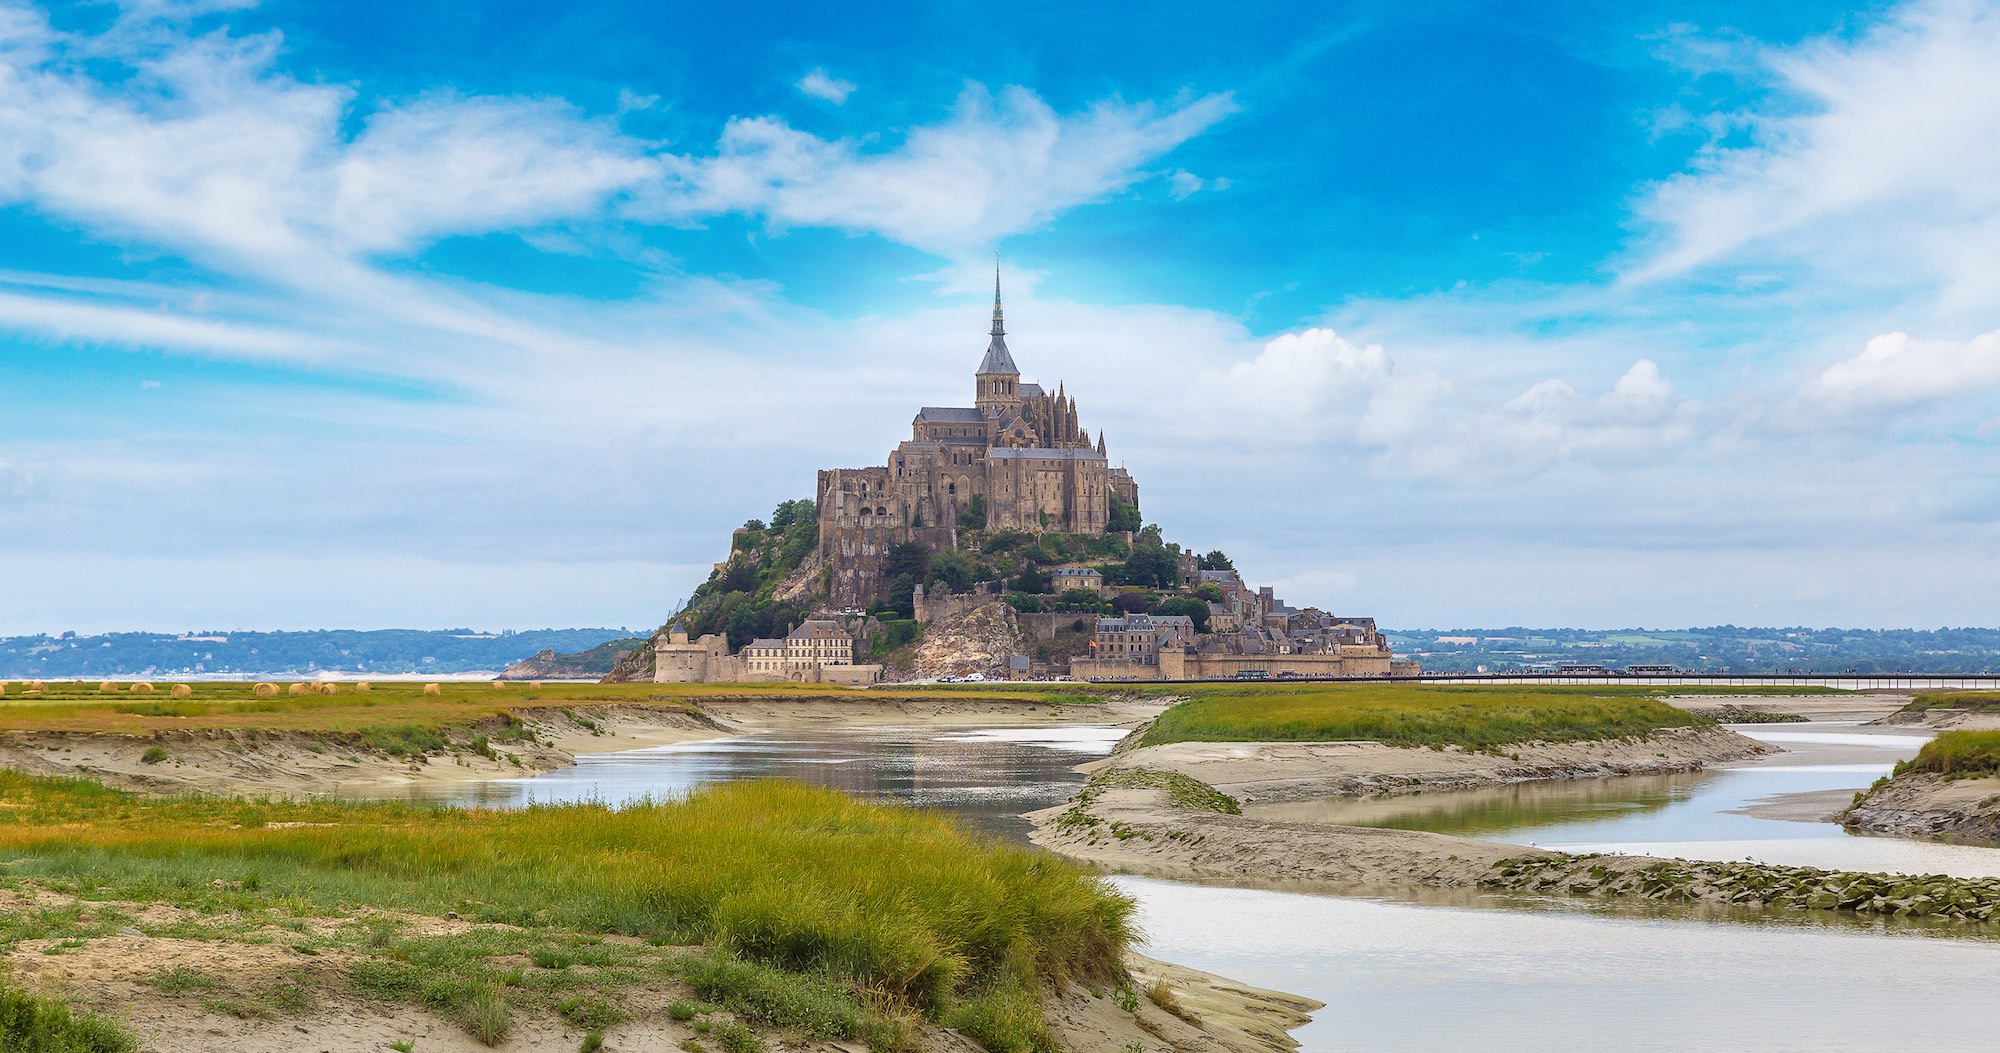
(1474, 717)
(794, 889)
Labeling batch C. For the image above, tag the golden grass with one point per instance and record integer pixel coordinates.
(264, 706)
(898, 904)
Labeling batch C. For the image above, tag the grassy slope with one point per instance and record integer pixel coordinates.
(73, 707)
(1958, 755)
(896, 909)
(1481, 717)
(1978, 701)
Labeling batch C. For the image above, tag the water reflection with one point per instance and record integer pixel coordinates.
(1402, 977)
(986, 777)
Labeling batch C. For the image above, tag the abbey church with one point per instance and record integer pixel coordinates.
(1017, 453)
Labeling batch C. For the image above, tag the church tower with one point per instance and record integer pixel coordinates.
(998, 381)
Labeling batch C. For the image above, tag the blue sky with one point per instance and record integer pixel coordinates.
(435, 314)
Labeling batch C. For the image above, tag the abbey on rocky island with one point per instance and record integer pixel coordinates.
(1017, 455)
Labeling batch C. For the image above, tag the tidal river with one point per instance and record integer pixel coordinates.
(1474, 975)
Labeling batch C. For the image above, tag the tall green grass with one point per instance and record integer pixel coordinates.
(29, 1024)
(1480, 718)
(1972, 700)
(1958, 755)
(900, 904)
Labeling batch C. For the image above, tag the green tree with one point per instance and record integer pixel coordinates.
(908, 559)
(1083, 600)
(1186, 605)
(953, 569)
(1216, 560)
(1032, 579)
(1152, 563)
(1138, 602)
(791, 513)
(1207, 591)
(974, 516)
(1123, 517)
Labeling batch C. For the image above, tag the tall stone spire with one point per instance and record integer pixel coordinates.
(999, 329)
(997, 385)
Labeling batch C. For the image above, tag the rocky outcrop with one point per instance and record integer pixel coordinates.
(979, 640)
(1923, 804)
(583, 665)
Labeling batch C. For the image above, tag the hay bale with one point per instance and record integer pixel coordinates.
(296, 688)
(106, 687)
(326, 687)
(264, 690)
(433, 689)
(142, 688)
(535, 684)
(3, 690)
(499, 685)
(364, 687)
(38, 685)
(182, 691)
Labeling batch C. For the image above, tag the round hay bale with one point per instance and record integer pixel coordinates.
(3, 690)
(535, 683)
(182, 691)
(433, 689)
(264, 690)
(364, 687)
(296, 688)
(106, 687)
(326, 687)
(38, 685)
(142, 688)
(499, 685)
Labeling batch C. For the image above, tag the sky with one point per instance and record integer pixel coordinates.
(433, 314)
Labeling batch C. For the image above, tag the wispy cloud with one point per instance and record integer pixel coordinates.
(1874, 163)
(819, 85)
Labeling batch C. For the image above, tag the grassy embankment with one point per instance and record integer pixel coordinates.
(1957, 755)
(63, 706)
(1399, 714)
(792, 907)
(1969, 701)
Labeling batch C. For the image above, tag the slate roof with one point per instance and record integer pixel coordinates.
(951, 415)
(1008, 453)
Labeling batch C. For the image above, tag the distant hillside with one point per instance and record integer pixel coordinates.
(587, 665)
(378, 651)
(1717, 649)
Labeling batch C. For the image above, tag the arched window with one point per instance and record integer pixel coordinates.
(881, 511)
(866, 511)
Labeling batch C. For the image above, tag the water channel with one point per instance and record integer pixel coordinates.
(1514, 975)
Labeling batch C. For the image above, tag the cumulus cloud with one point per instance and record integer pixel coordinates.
(821, 86)
(1875, 162)
(1895, 372)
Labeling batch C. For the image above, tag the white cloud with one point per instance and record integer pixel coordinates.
(1001, 164)
(821, 86)
(1183, 184)
(1895, 372)
(1876, 163)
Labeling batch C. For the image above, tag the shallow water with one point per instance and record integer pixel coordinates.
(1403, 977)
(986, 776)
(1706, 815)
(1507, 975)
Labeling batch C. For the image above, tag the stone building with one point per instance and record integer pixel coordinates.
(1063, 579)
(1018, 452)
(820, 650)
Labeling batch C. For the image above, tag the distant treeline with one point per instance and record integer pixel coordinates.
(1716, 649)
(378, 651)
